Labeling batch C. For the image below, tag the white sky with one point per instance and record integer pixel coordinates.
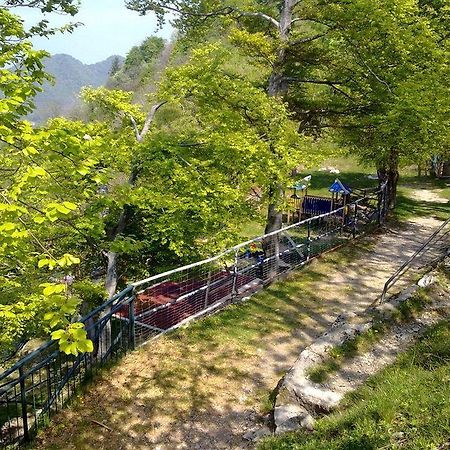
(109, 29)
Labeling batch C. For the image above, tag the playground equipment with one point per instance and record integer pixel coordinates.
(303, 206)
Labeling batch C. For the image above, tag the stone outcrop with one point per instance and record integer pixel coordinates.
(299, 400)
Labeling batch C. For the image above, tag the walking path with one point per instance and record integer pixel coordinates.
(204, 387)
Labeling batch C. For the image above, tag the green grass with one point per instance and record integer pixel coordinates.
(355, 175)
(405, 406)
(352, 174)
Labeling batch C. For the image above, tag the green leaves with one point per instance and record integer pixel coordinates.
(51, 288)
(73, 339)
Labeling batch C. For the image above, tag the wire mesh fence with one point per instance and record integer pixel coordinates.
(41, 383)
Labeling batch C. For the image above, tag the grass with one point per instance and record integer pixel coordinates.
(212, 362)
(352, 173)
(405, 406)
(355, 175)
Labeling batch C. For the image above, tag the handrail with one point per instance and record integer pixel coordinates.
(404, 267)
(238, 247)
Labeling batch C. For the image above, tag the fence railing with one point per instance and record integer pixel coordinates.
(41, 383)
(437, 236)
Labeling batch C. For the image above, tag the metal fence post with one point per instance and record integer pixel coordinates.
(308, 244)
(380, 207)
(132, 319)
(23, 401)
(49, 386)
(385, 204)
(234, 291)
(355, 218)
(208, 288)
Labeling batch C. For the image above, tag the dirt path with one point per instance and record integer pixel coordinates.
(203, 389)
(397, 340)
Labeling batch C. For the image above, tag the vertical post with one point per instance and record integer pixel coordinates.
(380, 206)
(234, 290)
(49, 386)
(355, 218)
(208, 287)
(308, 242)
(132, 319)
(23, 401)
(385, 203)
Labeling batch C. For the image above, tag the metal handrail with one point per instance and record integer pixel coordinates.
(405, 266)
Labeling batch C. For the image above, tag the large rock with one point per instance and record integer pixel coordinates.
(292, 417)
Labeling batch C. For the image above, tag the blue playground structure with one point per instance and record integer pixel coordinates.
(303, 206)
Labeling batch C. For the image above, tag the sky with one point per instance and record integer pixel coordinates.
(109, 29)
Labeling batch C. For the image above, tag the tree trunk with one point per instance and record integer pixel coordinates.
(111, 280)
(277, 87)
(390, 173)
(271, 244)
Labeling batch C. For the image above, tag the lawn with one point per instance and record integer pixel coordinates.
(405, 406)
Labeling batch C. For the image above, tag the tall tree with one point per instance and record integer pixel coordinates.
(31, 195)
(274, 29)
(392, 59)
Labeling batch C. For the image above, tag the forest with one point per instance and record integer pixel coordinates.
(159, 167)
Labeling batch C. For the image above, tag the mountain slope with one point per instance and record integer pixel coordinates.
(70, 76)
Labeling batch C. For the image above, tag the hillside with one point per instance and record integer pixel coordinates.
(70, 75)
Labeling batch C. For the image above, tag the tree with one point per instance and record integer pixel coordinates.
(348, 66)
(207, 115)
(395, 74)
(31, 195)
(270, 31)
(115, 67)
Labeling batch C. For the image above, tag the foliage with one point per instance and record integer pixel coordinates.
(145, 52)
(139, 67)
(237, 117)
(47, 174)
(397, 70)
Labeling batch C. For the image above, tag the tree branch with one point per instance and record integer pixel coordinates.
(135, 127)
(259, 14)
(150, 117)
(226, 11)
(302, 80)
(148, 121)
(305, 40)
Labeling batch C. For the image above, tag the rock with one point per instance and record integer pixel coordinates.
(291, 418)
(256, 435)
(286, 412)
(372, 177)
(426, 280)
(386, 310)
(398, 435)
(308, 423)
(363, 327)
